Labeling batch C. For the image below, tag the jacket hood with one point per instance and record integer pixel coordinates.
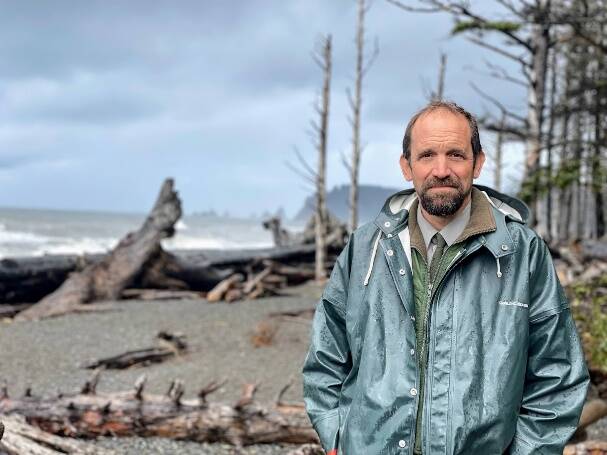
(396, 208)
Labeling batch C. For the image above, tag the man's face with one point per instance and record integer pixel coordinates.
(441, 165)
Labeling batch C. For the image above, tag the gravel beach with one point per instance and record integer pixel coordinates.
(48, 356)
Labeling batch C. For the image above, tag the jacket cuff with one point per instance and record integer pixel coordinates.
(327, 427)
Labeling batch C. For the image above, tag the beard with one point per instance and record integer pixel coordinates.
(443, 204)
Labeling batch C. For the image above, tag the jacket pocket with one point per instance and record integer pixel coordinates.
(327, 427)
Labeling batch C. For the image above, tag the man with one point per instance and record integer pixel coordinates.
(443, 328)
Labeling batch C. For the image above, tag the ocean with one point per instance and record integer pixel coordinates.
(34, 232)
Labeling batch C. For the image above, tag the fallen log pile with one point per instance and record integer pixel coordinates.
(37, 288)
(269, 278)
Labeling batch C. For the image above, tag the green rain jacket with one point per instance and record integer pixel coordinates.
(505, 370)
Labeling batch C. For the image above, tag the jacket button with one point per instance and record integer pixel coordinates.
(389, 236)
(402, 443)
(390, 252)
(387, 224)
(401, 271)
(412, 351)
(413, 391)
(413, 318)
(505, 247)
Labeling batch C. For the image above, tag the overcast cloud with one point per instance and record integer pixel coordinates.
(100, 101)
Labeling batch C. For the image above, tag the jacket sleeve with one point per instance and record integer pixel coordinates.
(328, 360)
(557, 378)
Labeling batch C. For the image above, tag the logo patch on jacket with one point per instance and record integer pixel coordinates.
(513, 303)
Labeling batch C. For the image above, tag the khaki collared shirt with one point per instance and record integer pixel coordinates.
(450, 232)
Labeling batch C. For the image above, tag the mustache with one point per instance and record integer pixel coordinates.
(449, 181)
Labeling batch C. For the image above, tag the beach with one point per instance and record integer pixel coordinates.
(49, 355)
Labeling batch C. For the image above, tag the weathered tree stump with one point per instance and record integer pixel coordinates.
(106, 279)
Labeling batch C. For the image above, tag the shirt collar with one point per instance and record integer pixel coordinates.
(450, 232)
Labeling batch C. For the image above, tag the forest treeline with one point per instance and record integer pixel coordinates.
(560, 48)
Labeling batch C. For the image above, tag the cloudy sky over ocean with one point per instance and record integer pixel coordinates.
(100, 101)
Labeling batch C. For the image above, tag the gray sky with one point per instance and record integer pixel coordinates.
(100, 101)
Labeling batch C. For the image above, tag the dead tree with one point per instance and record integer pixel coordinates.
(440, 88)
(501, 133)
(324, 62)
(106, 279)
(497, 159)
(353, 165)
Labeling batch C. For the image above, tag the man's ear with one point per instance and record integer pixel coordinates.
(405, 167)
(480, 160)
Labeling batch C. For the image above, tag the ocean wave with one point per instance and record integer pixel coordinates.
(181, 226)
(182, 242)
(77, 246)
(21, 237)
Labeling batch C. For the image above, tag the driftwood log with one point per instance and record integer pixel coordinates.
(88, 414)
(105, 280)
(157, 294)
(268, 280)
(587, 448)
(30, 279)
(169, 346)
(336, 232)
(134, 413)
(21, 438)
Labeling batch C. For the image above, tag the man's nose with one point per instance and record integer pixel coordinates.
(441, 168)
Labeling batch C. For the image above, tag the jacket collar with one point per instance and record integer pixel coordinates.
(487, 224)
(393, 216)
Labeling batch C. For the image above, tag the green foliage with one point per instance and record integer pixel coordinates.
(566, 174)
(539, 183)
(589, 305)
(498, 26)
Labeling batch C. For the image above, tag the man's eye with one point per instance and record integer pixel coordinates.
(458, 156)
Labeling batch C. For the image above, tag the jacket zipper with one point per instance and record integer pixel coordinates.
(430, 299)
(454, 262)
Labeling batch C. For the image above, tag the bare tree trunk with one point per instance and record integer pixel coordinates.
(353, 165)
(498, 153)
(577, 218)
(550, 134)
(440, 90)
(540, 38)
(321, 191)
(597, 174)
(565, 193)
(356, 105)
